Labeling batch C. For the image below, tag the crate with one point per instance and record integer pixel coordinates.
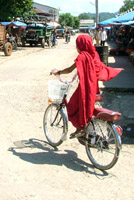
(57, 89)
(2, 32)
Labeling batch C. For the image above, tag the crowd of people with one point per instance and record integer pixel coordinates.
(66, 34)
(123, 37)
(99, 35)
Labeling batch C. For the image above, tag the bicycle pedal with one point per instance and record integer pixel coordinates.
(77, 135)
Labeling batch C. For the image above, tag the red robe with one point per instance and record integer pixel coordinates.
(90, 70)
(81, 105)
(103, 72)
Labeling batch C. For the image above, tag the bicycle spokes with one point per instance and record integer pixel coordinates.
(104, 152)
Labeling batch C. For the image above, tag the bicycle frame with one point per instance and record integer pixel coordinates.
(101, 136)
(100, 113)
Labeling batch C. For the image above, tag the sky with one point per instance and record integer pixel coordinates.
(75, 7)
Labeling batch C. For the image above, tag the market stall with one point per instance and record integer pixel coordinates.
(121, 32)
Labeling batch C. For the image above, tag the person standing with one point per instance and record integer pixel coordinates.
(103, 37)
(54, 37)
(98, 37)
(67, 35)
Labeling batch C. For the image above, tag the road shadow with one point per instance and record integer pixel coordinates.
(123, 103)
(53, 156)
(125, 79)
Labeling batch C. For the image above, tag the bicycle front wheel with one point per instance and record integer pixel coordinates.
(104, 153)
(55, 124)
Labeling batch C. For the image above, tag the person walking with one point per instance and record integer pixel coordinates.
(103, 37)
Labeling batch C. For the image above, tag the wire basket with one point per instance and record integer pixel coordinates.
(57, 89)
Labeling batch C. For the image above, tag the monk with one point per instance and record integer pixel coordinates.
(90, 70)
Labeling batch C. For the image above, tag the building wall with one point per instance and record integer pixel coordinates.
(53, 12)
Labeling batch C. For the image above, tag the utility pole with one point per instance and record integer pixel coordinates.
(96, 9)
(97, 12)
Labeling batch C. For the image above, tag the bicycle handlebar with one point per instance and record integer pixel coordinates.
(66, 81)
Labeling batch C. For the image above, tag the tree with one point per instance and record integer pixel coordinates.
(11, 9)
(102, 16)
(128, 4)
(68, 20)
(84, 16)
(76, 22)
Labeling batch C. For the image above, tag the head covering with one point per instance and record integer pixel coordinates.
(85, 43)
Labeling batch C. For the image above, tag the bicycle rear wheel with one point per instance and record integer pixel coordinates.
(104, 153)
(55, 124)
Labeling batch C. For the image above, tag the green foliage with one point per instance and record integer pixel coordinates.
(76, 22)
(128, 4)
(10, 9)
(106, 15)
(68, 20)
(84, 16)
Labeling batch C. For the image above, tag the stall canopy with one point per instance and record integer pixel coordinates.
(126, 17)
(128, 23)
(36, 25)
(15, 23)
(5, 23)
(109, 22)
(54, 24)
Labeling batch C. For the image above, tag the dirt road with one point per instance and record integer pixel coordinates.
(30, 169)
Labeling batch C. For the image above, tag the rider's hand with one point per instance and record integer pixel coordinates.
(54, 72)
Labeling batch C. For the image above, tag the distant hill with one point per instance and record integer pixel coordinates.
(106, 15)
(102, 16)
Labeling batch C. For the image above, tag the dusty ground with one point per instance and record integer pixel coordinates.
(30, 169)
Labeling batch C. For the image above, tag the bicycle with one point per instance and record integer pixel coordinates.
(102, 138)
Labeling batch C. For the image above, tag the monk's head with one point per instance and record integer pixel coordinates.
(85, 43)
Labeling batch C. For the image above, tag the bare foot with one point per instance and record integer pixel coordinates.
(78, 133)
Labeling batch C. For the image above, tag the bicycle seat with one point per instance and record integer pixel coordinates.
(99, 97)
(106, 114)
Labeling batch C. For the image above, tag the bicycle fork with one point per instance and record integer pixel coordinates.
(64, 117)
(52, 124)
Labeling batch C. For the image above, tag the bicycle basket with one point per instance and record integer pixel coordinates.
(57, 89)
